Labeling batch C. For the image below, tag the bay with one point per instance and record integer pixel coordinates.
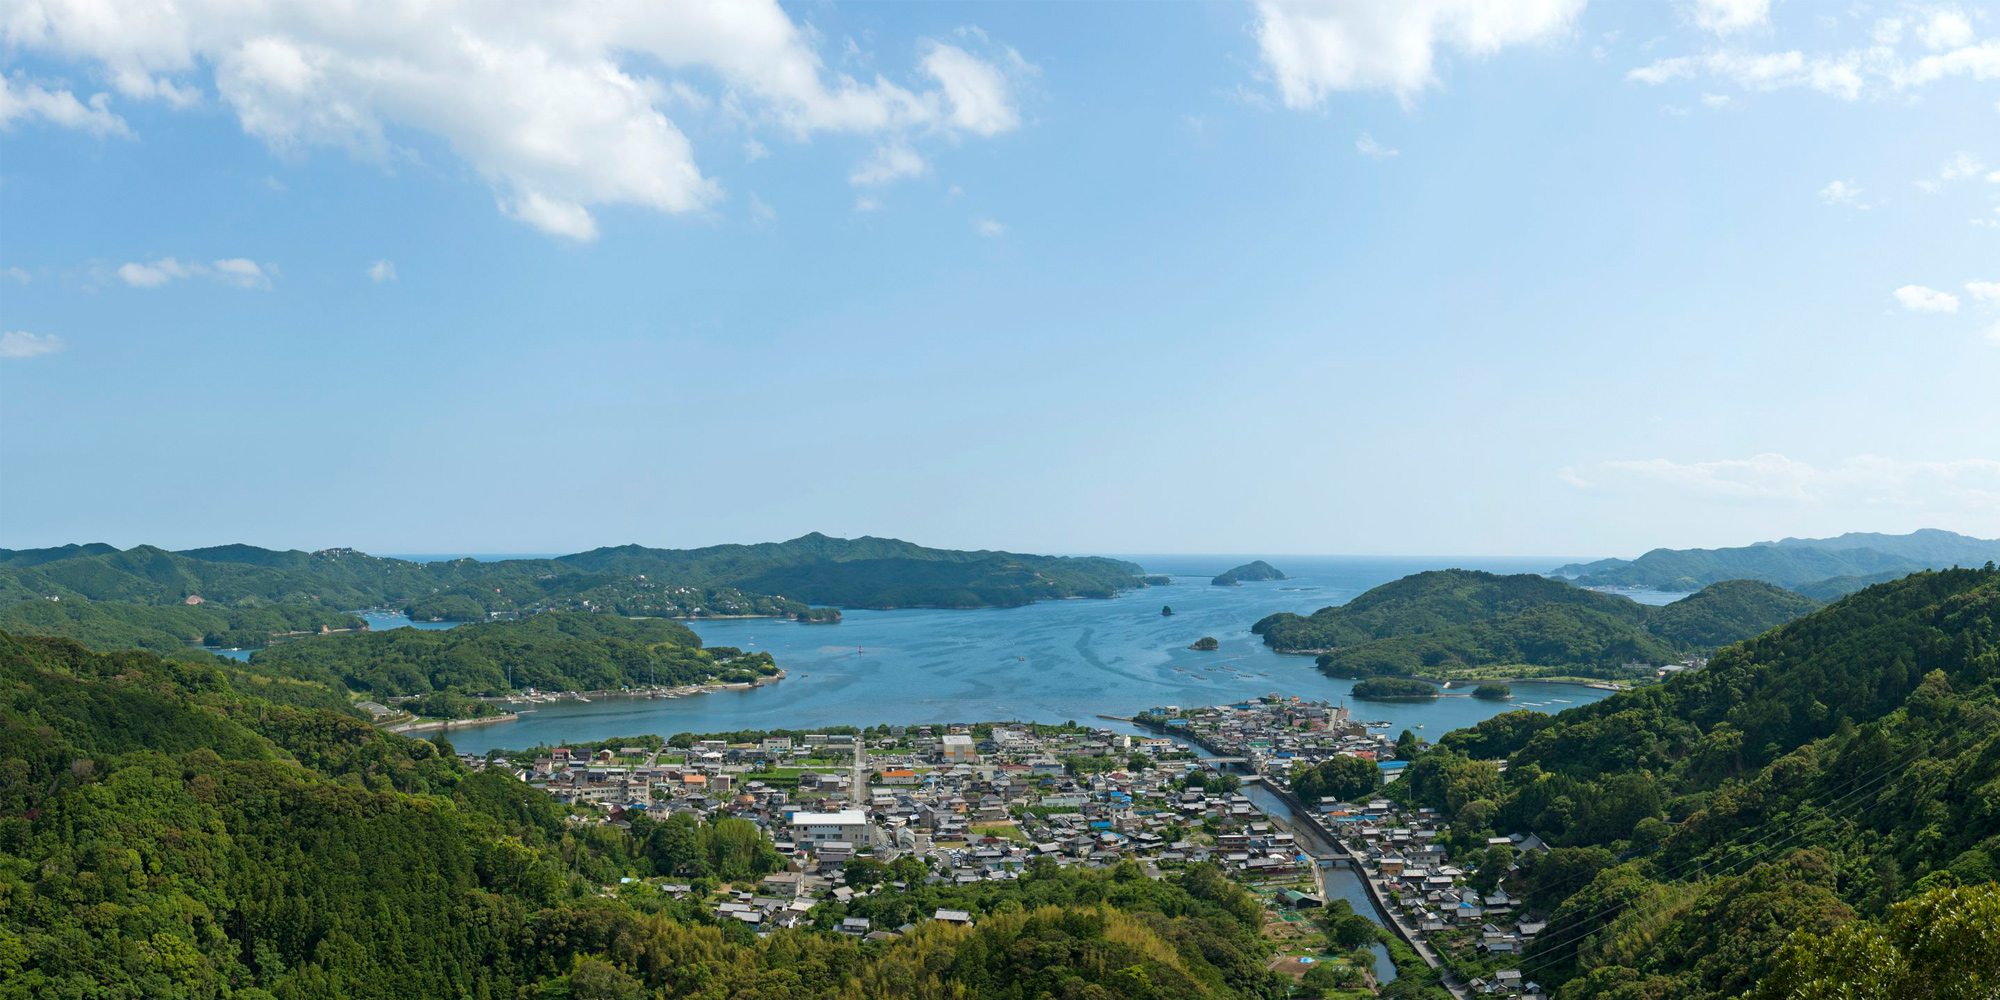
(1047, 662)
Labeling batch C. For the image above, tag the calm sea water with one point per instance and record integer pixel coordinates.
(1046, 662)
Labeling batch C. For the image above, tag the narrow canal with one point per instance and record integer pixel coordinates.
(1342, 881)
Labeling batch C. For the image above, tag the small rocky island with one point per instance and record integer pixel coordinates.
(1166, 609)
(1255, 572)
(1206, 644)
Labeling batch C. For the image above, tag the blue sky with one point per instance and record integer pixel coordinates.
(1450, 277)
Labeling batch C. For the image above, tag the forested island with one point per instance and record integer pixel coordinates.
(1456, 623)
(1257, 571)
(775, 579)
(1396, 689)
(1206, 644)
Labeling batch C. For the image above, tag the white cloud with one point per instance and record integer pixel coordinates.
(975, 89)
(1371, 149)
(1984, 291)
(1715, 100)
(1316, 48)
(761, 213)
(382, 271)
(157, 273)
(1838, 75)
(889, 163)
(276, 185)
(866, 204)
(239, 271)
(1888, 31)
(21, 344)
(1947, 28)
(1725, 17)
(1862, 480)
(22, 99)
(988, 228)
(1993, 333)
(19, 274)
(754, 150)
(1841, 193)
(1962, 166)
(561, 106)
(1917, 298)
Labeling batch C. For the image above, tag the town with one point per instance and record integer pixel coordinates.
(843, 816)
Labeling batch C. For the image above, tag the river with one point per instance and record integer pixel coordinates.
(1047, 662)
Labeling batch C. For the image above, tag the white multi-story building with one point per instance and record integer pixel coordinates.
(810, 829)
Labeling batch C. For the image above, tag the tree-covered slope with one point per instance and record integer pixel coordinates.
(1450, 623)
(1563, 637)
(164, 835)
(1429, 602)
(778, 578)
(1805, 783)
(1791, 562)
(167, 629)
(1726, 612)
(556, 650)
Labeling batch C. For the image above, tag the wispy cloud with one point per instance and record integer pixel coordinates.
(241, 272)
(1862, 480)
(988, 228)
(382, 271)
(1368, 147)
(19, 344)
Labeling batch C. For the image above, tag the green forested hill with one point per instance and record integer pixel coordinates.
(1806, 781)
(1725, 612)
(1792, 562)
(556, 650)
(1453, 622)
(167, 629)
(1564, 638)
(771, 579)
(1428, 602)
(165, 836)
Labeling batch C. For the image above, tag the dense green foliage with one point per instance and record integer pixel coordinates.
(163, 835)
(1791, 562)
(1572, 639)
(1448, 622)
(167, 628)
(1725, 612)
(448, 704)
(1394, 688)
(1813, 776)
(1207, 643)
(555, 651)
(1344, 778)
(1493, 692)
(1429, 602)
(1257, 571)
(631, 580)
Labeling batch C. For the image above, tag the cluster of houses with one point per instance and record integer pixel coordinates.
(972, 808)
(1275, 734)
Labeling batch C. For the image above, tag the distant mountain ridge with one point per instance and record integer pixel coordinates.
(770, 578)
(1868, 557)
